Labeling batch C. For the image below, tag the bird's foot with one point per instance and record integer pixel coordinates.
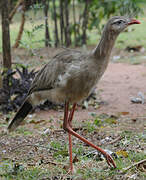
(71, 171)
(109, 160)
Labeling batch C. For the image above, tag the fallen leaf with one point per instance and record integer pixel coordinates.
(124, 113)
(75, 159)
(134, 120)
(122, 153)
(36, 122)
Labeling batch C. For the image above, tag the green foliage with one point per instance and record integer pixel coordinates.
(100, 10)
(29, 41)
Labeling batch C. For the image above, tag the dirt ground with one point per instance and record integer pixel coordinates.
(120, 83)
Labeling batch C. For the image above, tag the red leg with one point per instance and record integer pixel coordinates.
(68, 128)
(70, 152)
(106, 155)
(69, 135)
(71, 114)
(67, 120)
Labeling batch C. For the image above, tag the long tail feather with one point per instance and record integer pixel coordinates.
(20, 115)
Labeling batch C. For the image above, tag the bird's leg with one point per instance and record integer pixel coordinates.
(69, 135)
(106, 155)
(71, 114)
(67, 120)
(70, 152)
(66, 107)
(68, 128)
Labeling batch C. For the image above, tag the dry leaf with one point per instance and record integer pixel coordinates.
(36, 122)
(122, 153)
(124, 113)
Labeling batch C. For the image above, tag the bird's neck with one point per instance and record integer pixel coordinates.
(104, 48)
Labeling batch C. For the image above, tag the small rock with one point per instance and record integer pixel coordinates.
(139, 99)
(116, 58)
(4, 151)
(136, 100)
(30, 115)
(47, 131)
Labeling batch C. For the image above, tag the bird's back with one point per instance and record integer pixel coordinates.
(70, 74)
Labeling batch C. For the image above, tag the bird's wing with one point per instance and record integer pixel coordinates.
(48, 76)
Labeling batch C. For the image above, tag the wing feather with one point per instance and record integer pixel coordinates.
(47, 77)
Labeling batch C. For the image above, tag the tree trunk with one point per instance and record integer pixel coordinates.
(55, 24)
(6, 35)
(62, 21)
(6, 49)
(47, 34)
(74, 19)
(78, 31)
(67, 30)
(21, 28)
(1, 82)
(85, 22)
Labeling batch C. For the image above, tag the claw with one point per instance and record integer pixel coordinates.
(110, 160)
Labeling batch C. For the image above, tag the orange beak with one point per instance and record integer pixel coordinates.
(134, 21)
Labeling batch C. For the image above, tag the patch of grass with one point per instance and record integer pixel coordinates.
(85, 166)
(99, 122)
(94, 170)
(49, 159)
(84, 169)
(10, 170)
(23, 130)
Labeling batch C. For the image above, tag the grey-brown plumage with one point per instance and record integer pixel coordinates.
(71, 75)
(21, 114)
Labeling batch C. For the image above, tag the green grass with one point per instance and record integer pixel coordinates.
(10, 170)
(50, 159)
(85, 168)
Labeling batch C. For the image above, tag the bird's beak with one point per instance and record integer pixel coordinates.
(134, 21)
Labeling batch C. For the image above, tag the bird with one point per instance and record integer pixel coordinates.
(70, 76)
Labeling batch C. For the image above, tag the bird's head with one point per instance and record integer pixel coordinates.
(118, 23)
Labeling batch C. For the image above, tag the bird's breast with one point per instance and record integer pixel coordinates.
(77, 87)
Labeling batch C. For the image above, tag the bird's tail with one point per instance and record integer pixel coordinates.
(20, 115)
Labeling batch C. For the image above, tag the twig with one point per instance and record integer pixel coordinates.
(62, 130)
(65, 176)
(32, 145)
(15, 9)
(58, 130)
(115, 140)
(135, 164)
(54, 163)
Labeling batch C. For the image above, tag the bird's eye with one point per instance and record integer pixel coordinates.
(119, 22)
